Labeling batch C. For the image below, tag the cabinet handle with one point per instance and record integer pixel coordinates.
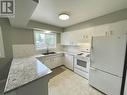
(106, 33)
(92, 44)
(111, 32)
(84, 36)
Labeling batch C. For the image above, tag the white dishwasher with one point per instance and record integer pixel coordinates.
(69, 61)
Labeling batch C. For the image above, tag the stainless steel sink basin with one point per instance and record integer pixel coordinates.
(47, 53)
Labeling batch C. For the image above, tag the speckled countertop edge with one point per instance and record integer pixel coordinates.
(20, 74)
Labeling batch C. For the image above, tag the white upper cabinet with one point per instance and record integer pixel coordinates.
(102, 30)
(119, 28)
(67, 38)
(63, 39)
(87, 35)
(78, 37)
(84, 35)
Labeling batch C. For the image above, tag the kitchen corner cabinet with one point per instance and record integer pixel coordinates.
(69, 61)
(53, 61)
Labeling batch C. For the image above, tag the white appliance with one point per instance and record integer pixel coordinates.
(82, 63)
(107, 63)
(69, 61)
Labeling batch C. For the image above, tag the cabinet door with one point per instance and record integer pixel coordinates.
(51, 62)
(87, 35)
(83, 35)
(102, 30)
(57, 61)
(119, 28)
(47, 62)
(69, 61)
(64, 38)
(68, 38)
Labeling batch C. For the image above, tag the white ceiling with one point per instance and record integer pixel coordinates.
(79, 10)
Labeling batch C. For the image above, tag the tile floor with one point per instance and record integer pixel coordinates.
(66, 82)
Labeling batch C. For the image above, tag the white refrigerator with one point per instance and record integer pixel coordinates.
(107, 63)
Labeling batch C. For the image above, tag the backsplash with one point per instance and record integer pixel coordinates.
(23, 50)
(76, 49)
(26, 50)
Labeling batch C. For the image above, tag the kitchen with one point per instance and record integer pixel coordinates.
(52, 48)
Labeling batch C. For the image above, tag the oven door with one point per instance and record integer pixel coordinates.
(82, 63)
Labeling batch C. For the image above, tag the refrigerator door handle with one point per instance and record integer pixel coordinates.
(91, 59)
(92, 44)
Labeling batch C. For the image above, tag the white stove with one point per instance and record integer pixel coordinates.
(82, 63)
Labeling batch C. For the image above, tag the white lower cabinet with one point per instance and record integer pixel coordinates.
(53, 61)
(69, 61)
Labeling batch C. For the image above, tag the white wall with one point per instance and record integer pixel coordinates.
(1, 45)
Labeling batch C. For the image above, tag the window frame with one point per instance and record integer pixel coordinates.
(2, 55)
(43, 32)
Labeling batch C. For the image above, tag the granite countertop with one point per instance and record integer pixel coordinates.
(23, 71)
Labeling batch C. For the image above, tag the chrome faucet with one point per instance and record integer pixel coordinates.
(47, 50)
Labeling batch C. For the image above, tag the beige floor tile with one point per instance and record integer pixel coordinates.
(66, 82)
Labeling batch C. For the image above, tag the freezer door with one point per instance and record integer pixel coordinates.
(106, 83)
(108, 53)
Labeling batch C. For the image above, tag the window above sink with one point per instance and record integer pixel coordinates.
(44, 39)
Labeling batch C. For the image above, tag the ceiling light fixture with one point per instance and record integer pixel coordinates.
(64, 16)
